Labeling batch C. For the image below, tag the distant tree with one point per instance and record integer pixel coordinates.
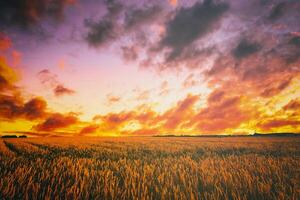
(23, 136)
(9, 136)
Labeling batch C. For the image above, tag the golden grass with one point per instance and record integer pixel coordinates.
(150, 168)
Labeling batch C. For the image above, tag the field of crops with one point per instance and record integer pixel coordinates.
(150, 168)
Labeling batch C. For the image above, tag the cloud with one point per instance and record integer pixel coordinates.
(10, 108)
(245, 48)
(136, 17)
(8, 76)
(108, 28)
(5, 42)
(189, 24)
(60, 90)
(113, 99)
(116, 119)
(150, 122)
(218, 116)
(34, 109)
(278, 123)
(225, 113)
(293, 105)
(49, 79)
(276, 88)
(56, 121)
(295, 40)
(100, 32)
(266, 73)
(88, 129)
(130, 53)
(13, 107)
(143, 132)
(3, 82)
(190, 81)
(278, 11)
(164, 88)
(142, 95)
(27, 13)
(216, 96)
(174, 117)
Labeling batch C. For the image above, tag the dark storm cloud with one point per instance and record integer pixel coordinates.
(104, 30)
(278, 11)
(25, 13)
(245, 48)
(295, 41)
(136, 17)
(109, 28)
(100, 32)
(191, 23)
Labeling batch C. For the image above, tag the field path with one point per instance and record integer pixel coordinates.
(20, 148)
(4, 150)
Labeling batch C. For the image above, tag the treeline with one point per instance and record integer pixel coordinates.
(13, 136)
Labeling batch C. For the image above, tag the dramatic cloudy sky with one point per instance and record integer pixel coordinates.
(112, 67)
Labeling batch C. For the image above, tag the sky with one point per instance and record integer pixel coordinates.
(139, 68)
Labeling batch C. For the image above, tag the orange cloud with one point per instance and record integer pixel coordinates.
(5, 42)
(144, 132)
(13, 107)
(174, 117)
(10, 107)
(278, 123)
(56, 121)
(221, 113)
(8, 76)
(88, 129)
(35, 108)
(293, 105)
(226, 113)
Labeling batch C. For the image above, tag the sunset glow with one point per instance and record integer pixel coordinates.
(127, 68)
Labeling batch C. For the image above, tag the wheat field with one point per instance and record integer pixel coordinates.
(150, 168)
